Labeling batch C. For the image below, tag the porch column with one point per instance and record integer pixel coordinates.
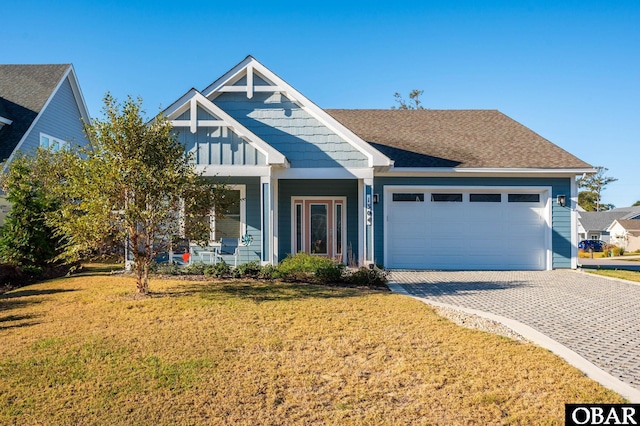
(368, 221)
(267, 218)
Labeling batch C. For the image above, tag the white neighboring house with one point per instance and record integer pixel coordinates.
(40, 105)
(594, 225)
(625, 234)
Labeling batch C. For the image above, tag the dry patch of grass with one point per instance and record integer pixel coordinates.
(83, 351)
(616, 273)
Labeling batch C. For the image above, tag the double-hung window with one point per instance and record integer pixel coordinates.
(231, 222)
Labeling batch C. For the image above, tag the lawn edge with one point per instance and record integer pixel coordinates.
(588, 368)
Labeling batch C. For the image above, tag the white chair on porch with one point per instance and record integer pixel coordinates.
(228, 247)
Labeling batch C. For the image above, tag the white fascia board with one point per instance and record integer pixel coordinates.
(613, 224)
(238, 171)
(230, 77)
(184, 103)
(4, 121)
(79, 97)
(44, 108)
(375, 157)
(324, 173)
(503, 172)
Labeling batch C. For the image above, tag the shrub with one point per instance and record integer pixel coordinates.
(375, 277)
(250, 270)
(219, 270)
(302, 266)
(26, 239)
(329, 274)
(164, 269)
(617, 251)
(194, 269)
(268, 272)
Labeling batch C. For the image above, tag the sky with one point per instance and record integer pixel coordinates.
(569, 70)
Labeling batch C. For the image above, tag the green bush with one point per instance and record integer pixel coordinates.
(302, 267)
(375, 277)
(249, 270)
(617, 251)
(330, 274)
(219, 270)
(268, 272)
(26, 239)
(164, 269)
(194, 269)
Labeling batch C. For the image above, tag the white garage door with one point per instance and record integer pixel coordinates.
(466, 229)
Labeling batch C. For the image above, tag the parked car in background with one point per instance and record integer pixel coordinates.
(595, 245)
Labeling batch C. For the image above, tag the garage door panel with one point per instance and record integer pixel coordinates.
(467, 235)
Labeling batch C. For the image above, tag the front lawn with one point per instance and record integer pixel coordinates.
(83, 350)
(616, 273)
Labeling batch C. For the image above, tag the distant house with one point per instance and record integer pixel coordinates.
(40, 105)
(595, 225)
(411, 189)
(625, 234)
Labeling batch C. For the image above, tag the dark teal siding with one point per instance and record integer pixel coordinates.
(560, 216)
(316, 188)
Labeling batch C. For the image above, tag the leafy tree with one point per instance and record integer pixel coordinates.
(413, 102)
(26, 240)
(594, 184)
(637, 203)
(132, 181)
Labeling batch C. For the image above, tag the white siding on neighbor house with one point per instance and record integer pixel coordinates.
(60, 119)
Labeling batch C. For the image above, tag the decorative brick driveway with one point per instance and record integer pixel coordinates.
(595, 317)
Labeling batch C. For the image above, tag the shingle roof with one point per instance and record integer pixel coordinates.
(600, 221)
(455, 138)
(630, 224)
(24, 89)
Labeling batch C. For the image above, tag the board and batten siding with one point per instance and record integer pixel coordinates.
(219, 146)
(252, 215)
(291, 130)
(560, 216)
(288, 188)
(60, 119)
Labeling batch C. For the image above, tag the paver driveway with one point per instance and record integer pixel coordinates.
(596, 317)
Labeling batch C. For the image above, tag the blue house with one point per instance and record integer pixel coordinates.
(407, 189)
(40, 105)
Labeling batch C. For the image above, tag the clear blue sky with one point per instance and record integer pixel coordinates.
(569, 70)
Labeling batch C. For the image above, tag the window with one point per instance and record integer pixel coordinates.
(408, 197)
(485, 198)
(524, 198)
(49, 142)
(455, 198)
(232, 224)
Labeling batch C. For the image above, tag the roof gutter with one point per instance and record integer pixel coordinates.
(438, 171)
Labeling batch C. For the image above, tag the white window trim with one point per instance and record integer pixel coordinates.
(61, 143)
(243, 216)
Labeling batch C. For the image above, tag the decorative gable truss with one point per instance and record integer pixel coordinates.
(215, 138)
(251, 77)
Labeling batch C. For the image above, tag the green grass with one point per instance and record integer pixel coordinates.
(83, 350)
(616, 273)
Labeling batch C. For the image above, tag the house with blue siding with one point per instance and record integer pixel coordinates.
(40, 105)
(405, 189)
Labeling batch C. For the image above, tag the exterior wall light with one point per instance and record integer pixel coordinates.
(562, 200)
